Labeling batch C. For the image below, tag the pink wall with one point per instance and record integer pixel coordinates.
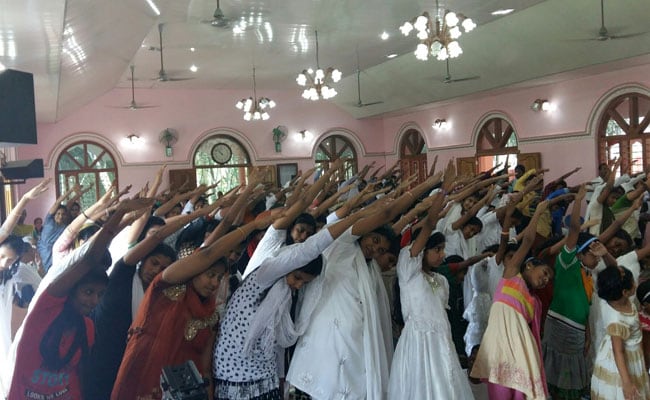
(563, 137)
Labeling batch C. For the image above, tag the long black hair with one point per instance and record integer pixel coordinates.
(19, 247)
(68, 321)
(303, 218)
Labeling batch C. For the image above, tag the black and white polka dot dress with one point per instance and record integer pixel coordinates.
(231, 367)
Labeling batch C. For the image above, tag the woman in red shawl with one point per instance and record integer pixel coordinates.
(176, 318)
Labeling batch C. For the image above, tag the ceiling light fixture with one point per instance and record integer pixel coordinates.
(393, 55)
(384, 35)
(254, 108)
(440, 124)
(504, 11)
(542, 105)
(438, 34)
(317, 82)
(194, 68)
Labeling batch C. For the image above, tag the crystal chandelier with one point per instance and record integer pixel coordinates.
(317, 82)
(255, 108)
(438, 35)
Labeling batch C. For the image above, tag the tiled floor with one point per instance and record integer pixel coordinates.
(480, 391)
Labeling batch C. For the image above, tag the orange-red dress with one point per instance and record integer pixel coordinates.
(173, 326)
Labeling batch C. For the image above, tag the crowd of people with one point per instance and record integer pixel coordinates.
(381, 286)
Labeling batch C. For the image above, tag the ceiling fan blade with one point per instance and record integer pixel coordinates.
(134, 107)
(629, 35)
(468, 78)
(169, 79)
(368, 104)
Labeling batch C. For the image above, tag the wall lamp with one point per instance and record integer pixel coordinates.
(305, 134)
(134, 140)
(440, 124)
(542, 105)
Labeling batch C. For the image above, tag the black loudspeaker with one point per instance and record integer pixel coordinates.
(17, 108)
(15, 170)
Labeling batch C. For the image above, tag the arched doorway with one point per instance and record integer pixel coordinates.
(413, 155)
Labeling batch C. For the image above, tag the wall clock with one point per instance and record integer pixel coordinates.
(221, 153)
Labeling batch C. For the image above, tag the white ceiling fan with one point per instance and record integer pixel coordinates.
(133, 105)
(360, 103)
(448, 78)
(162, 74)
(219, 20)
(603, 32)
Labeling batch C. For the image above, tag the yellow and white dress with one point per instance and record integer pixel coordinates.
(606, 380)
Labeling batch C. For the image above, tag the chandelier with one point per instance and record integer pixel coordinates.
(253, 107)
(438, 35)
(317, 82)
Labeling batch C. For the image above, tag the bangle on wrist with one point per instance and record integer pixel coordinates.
(84, 214)
(240, 230)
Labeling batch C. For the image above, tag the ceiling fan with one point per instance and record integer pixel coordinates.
(360, 103)
(603, 33)
(134, 105)
(449, 79)
(162, 74)
(219, 20)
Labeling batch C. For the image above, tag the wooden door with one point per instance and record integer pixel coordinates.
(413, 156)
(466, 166)
(178, 177)
(530, 160)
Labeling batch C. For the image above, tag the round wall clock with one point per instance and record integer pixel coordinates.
(221, 153)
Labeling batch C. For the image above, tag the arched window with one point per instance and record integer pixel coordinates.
(331, 149)
(496, 141)
(623, 131)
(221, 158)
(413, 155)
(87, 164)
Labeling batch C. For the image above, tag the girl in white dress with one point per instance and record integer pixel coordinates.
(620, 372)
(425, 365)
(18, 283)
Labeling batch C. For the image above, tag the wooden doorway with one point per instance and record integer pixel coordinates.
(413, 155)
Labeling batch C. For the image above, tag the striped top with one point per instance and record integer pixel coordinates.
(515, 294)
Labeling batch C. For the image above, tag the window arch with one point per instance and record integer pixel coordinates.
(87, 164)
(623, 131)
(221, 158)
(331, 149)
(496, 141)
(413, 155)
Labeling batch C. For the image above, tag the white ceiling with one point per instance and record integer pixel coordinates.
(79, 49)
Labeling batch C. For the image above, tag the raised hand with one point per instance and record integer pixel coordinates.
(129, 205)
(124, 191)
(39, 189)
(598, 249)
